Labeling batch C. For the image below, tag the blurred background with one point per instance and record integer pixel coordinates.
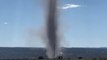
(82, 23)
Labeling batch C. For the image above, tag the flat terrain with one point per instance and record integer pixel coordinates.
(68, 53)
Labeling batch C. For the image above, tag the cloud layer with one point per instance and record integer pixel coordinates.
(67, 6)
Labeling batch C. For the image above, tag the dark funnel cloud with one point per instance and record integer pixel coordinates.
(52, 29)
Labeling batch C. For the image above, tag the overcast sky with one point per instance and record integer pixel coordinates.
(83, 23)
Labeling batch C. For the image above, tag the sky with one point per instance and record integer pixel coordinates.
(82, 23)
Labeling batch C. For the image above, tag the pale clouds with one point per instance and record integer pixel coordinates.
(5, 23)
(68, 6)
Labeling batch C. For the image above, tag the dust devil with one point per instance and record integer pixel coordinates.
(52, 50)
